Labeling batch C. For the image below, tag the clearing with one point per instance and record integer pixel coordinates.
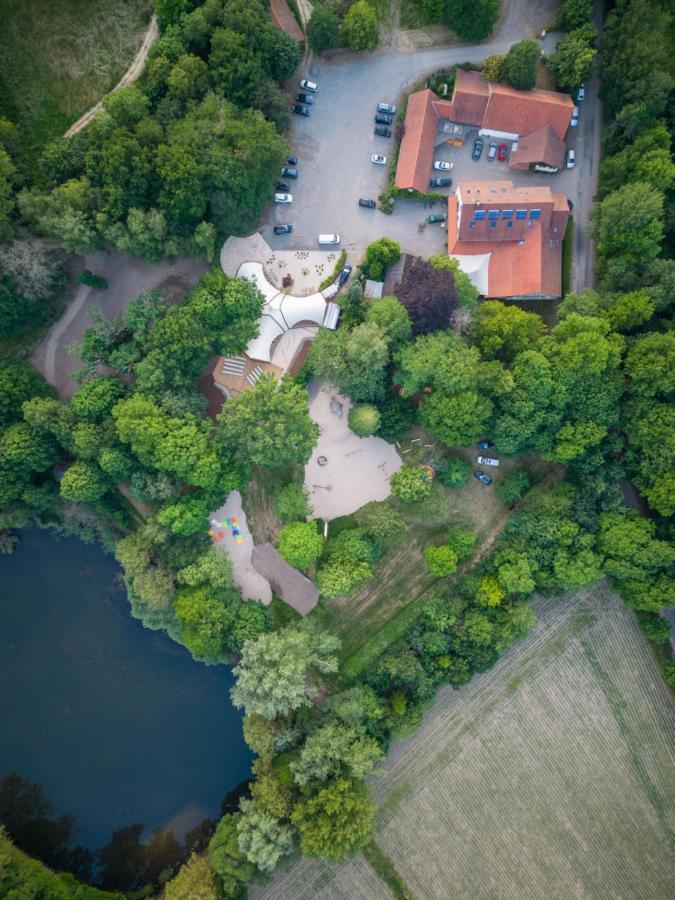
(548, 776)
(60, 56)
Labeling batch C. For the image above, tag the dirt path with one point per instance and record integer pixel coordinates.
(131, 74)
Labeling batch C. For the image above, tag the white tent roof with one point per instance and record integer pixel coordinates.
(282, 311)
(476, 267)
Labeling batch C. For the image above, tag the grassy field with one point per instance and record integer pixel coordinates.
(401, 575)
(548, 776)
(58, 57)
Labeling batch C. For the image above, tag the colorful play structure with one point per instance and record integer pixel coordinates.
(219, 534)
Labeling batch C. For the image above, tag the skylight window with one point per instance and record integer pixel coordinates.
(479, 215)
(521, 214)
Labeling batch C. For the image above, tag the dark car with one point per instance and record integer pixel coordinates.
(305, 98)
(485, 445)
(369, 204)
(477, 148)
(301, 110)
(436, 217)
(292, 160)
(382, 131)
(481, 476)
(283, 229)
(282, 186)
(383, 119)
(344, 274)
(440, 182)
(289, 173)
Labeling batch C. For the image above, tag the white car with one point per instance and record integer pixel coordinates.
(386, 108)
(441, 166)
(571, 159)
(487, 461)
(378, 159)
(283, 198)
(574, 121)
(581, 93)
(309, 85)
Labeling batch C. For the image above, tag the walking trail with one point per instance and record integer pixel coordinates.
(131, 74)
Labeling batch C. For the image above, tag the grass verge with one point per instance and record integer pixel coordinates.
(387, 871)
(567, 256)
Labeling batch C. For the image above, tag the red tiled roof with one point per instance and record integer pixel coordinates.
(417, 146)
(516, 269)
(542, 146)
(284, 19)
(484, 104)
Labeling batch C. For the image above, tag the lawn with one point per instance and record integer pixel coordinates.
(60, 56)
(370, 619)
(548, 776)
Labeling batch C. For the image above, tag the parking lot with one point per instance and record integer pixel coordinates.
(334, 147)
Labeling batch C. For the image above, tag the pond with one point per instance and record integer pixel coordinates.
(116, 722)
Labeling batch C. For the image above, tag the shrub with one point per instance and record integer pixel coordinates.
(493, 67)
(397, 415)
(656, 629)
(410, 484)
(359, 27)
(364, 419)
(323, 28)
(291, 503)
(441, 560)
(300, 544)
(512, 488)
(520, 65)
(381, 522)
(473, 20)
(461, 542)
(95, 281)
(454, 472)
(380, 255)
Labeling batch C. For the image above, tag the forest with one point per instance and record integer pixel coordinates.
(186, 158)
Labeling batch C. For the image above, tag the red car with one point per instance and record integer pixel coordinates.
(503, 152)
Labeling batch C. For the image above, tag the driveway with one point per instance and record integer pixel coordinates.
(128, 277)
(335, 144)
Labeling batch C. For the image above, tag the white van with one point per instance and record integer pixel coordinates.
(329, 238)
(487, 461)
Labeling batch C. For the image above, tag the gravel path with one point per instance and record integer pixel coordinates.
(250, 582)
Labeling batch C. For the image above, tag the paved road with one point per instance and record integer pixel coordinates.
(335, 144)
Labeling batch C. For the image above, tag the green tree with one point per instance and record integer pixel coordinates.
(347, 562)
(650, 363)
(629, 311)
(206, 618)
(227, 860)
(380, 256)
(629, 223)
(94, 400)
(512, 488)
(502, 332)
(520, 66)
(493, 67)
(514, 572)
(391, 316)
(194, 879)
(272, 674)
(462, 542)
(441, 561)
(269, 425)
(410, 484)
(359, 30)
(381, 522)
(263, 839)
(473, 20)
(467, 294)
(353, 362)
(456, 419)
(489, 591)
(647, 158)
(19, 382)
(364, 419)
(572, 62)
(323, 28)
(126, 105)
(291, 503)
(454, 472)
(334, 750)
(335, 822)
(575, 13)
(300, 544)
(83, 482)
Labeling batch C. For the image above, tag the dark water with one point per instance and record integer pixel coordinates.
(116, 722)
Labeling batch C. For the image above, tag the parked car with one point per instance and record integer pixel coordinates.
(503, 152)
(305, 98)
(301, 110)
(382, 131)
(368, 204)
(289, 173)
(282, 186)
(440, 182)
(571, 159)
(570, 205)
(383, 119)
(487, 461)
(485, 445)
(574, 121)
(477, 148)
(492, 150)
(283, 229)
(283, 198)
(378, 159)
(581, 93)
(309, 85)
(436, 217)
(292, 160)
(386, 108)
(481, 476)
(344, 274)
(441, 166)
(329, 238)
